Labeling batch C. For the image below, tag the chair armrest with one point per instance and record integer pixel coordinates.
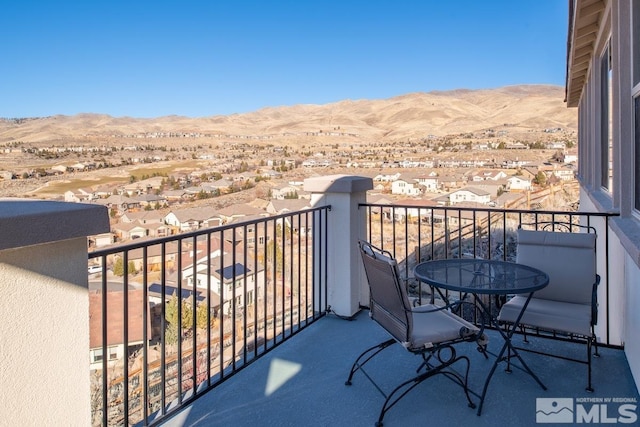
(468, 331)
(428, 308)
(594, 301)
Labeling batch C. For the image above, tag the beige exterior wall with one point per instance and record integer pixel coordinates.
(614, 27)
(44, 311)
(44, 325)
(346, 281)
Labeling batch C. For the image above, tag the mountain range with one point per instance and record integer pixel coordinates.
(521, 109)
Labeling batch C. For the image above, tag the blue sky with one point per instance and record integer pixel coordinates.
(204, 58)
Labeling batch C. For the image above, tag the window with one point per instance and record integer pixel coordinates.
(636, 46)
(635, 13)
(606, 121)
(97, 355)
(113, 353)
(637, 153)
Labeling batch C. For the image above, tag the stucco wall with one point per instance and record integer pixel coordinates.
(624, 295)
(44, 330)
(632, 321)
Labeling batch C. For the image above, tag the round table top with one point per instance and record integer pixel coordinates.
(481, 276)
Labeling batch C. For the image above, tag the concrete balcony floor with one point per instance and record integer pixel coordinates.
(302, 383)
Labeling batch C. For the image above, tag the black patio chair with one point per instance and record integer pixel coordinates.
(428, 330)
(568, 306)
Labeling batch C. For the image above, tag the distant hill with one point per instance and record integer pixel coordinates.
(520, 108)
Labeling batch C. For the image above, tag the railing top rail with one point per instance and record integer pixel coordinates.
(492, 209)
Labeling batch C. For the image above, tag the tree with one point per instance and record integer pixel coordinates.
(537, 145)
(274, 249)
(171, 316)
(118, 267)
(201, 317)
(202, 195)
(540, 179)
(558, 156)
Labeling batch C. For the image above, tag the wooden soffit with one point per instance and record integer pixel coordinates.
(585, 18)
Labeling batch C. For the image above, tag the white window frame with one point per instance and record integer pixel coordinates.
(635, 102)
(97, 355)
(605, 140)
(113, 352)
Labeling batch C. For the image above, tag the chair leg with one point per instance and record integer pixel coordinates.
(595, 341)
(401, 390)
(589, 387)
(425, 363)
(508, 368)
(368, 354)
(592, 340)
(482, 343)
(463, 382)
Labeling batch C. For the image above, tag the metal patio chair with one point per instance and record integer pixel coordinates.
(429, 331)
(568, 306)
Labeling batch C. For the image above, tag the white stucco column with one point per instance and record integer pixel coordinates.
(346, 283)
(44, 311)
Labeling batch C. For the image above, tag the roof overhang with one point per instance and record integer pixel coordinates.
(585, 18)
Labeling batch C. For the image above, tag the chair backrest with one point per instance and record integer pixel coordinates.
(568, 258)
(389, 304)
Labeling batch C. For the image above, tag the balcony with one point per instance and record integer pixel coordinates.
(302, 383)
(246, 322)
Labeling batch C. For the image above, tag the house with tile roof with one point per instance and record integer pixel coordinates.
(276, 207)
(518, 183)
(469, 194)
(117, 351)
(188, 219)
(233, 212)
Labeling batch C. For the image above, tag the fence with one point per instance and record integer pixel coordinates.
(414, 234)
(171, 318)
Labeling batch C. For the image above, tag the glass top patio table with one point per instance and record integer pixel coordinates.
(481, 276)
(490, 277)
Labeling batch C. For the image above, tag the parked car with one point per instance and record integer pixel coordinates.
(94, 269)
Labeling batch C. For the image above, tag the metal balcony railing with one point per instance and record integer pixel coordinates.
(414, 234)
(171, 318)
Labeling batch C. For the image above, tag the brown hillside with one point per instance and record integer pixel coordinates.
(412, 115)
